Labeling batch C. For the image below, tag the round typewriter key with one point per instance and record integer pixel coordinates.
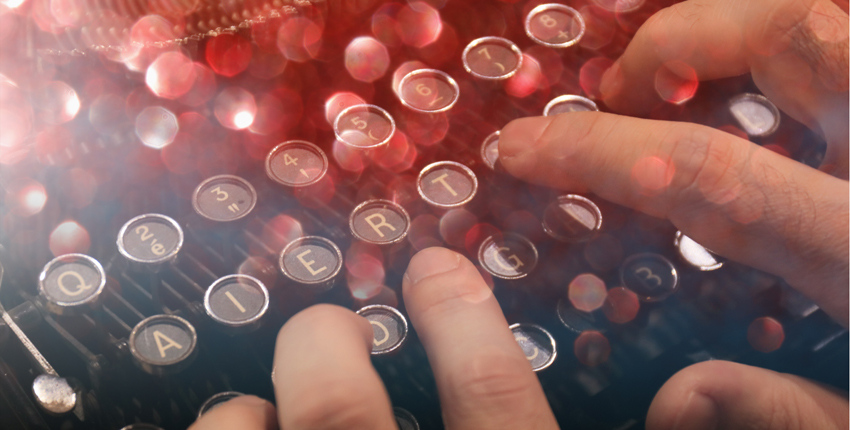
(428, 91)
(296, 163)
(572, 218)
(695, 254)
(492, 58)
(508, 256)
(575, 320)
(311, 260)
(405, 420)
(71, 283)
(388, 325)
(237, 302)
(554, 25)
(650, 276)
(224, 198)
(216, 400)
(380, 222)
(447, 184)
(163, 344)
(364, 126)
(490, 150)
(756, 114)
(150, 240)
(536, 343)
(569, 103)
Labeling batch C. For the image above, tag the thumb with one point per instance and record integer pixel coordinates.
(726, 395)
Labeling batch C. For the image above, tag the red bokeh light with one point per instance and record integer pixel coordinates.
(527, 79)
(621, 305)
(587, 292)
(765, 334)
(676, 82)
(228, 54)
(69, 237)
(590, 75)
(592, 348)
(418, 24)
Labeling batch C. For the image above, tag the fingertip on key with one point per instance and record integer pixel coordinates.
(430, 262)
(521, 136)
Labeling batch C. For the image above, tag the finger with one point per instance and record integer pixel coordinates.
(243, 412)
(736, 198)
(323, 375)
(722, 394)
(797, 52)
(483, 377)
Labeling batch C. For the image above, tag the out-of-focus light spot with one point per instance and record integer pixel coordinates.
(27, 196)
(69, 237)
(12, 4)
(620, 6)
(676, 82)
(349, 158)
(765, 334)
(281, 230)
(552, 67)
(68, 12)
(600, 27)
(527, 79)
(203, 88)
(366, 59)
(364, 274)
(477, 234)
(590, 75)
(621, 305)
(454, 225)
(653, 173)
(228, 54)
(424, 230)
(425, 130)
(384, 24)
(156, 126)
(396, 156)
(171, 75)
(338, 102)
(56, 103)
(592, 348)
(265, 64)
(587, 292)
(299, 39)
(235, 108)
(418, 24)
(402, 70)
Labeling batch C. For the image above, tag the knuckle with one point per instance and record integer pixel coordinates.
(497, 380)
(706, 164)
(331, 406)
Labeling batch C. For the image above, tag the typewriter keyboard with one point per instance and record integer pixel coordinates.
(180, 178)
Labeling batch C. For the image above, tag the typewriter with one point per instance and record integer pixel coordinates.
(179, 178)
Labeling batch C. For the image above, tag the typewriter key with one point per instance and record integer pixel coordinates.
(428, 91)
(217, 400)
(508, 256)
(695, 254)
(388, 325)
(296, 163)
(569, 103)
(756, 114)
(405, 420)
(237, 302)
(490, 150)
(536, 343)
(492, 58)
(364, 126)
(572, 218)
(650, 276)
(224, 198)
(311, 261)
(554, 25)
(447, 184)
(380, 222)
(71, 283)
(149, 241)
(163, 344)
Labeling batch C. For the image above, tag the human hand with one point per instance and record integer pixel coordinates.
(324, 377)
(741, 201)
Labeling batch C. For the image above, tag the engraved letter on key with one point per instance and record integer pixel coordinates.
(309, 264)
(158, 336)
(79, 288)
(377, 227)
(442, 179)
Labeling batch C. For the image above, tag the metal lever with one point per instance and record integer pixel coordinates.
(52, 391)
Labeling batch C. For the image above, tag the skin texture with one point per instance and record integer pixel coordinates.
(742, 201)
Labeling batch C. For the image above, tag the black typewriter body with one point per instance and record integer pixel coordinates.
(77, 165)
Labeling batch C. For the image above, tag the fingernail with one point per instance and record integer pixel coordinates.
(608, 84)
(522, 135)
(699, 413)
(430, 262)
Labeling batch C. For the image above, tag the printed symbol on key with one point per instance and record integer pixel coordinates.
(71, 283)
(651, 276)
(224, 198)
(447, 184)
(163, 344)
(311, 261)
(150, 240)
(237, 302)
(508, 256)
(492, 58)
(428, 91)
(555, 25)
(380, 222)
(364, 126)
(296, 163)
(389, 327)
(536, 343)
